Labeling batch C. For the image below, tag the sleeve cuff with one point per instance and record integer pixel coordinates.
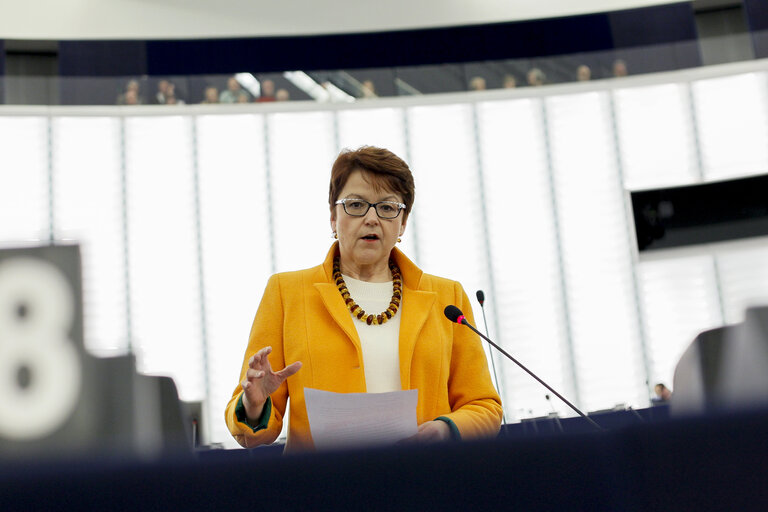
(242, 417)
(455, 435)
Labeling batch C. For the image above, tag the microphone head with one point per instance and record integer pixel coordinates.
(480, 296)
(453, 313)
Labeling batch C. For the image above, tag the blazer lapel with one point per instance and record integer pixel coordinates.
(336, 310)
(416, 308)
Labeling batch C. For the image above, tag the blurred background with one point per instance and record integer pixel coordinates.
(187, 148)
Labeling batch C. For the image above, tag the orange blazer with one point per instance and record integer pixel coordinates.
(303, 317)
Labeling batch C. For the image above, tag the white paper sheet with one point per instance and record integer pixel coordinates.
(344, 420)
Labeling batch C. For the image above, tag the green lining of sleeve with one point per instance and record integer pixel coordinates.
(455, 434)
(263, 420)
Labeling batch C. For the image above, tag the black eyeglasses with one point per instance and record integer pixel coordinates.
(359, 207)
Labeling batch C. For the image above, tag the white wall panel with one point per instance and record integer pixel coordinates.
(88, 208)
(301, 153)
(680, 300)
(595, 252)
(523, 249)
(743, 278)
(24, 178)
(447, 208)
(235, 246)
(732, 115)
(164, 279)
(656, 138)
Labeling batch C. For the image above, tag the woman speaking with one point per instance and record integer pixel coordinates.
(365, 320)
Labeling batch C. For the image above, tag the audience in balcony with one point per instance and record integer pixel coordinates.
(166, 93)
(477, 84)
(510, 82)
(267, 91)
(161, 96)
(368, 90)
(282, 95)
(211, 95)
(232, 92)
(171, 98)
(536, 77)
(619, 68)
(131, 94)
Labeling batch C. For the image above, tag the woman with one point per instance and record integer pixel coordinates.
(365, 320)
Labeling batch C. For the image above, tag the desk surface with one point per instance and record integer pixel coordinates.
(705, 463)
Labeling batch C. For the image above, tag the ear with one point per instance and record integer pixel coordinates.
(402, 226)
(333, 222)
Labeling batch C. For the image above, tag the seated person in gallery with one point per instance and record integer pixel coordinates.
(663, 394)
(366, 320)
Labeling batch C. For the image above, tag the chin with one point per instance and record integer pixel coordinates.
(370, 255)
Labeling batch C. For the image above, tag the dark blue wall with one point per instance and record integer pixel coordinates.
(666, 26)
(2, 72)
(757, 19)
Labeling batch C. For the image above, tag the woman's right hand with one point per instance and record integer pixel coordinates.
(260, 382)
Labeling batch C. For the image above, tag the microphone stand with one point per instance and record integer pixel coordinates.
(481, 295)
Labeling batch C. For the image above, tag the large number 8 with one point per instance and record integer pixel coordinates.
(40, 369)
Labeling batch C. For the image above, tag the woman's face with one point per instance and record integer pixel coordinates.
(366, 241)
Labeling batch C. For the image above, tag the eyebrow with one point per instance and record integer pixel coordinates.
(390, 197)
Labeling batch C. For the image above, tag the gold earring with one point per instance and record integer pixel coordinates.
(399, 240)
(335, 236)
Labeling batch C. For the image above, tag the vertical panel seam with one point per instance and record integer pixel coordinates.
(628, 229)
(570, 349)
(126, 251)
(486, 242)
(413, 226)
(200, 269)
(695, 131)
(49, 155)
(268, 189)
(700, 165)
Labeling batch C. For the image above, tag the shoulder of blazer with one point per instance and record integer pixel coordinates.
(440, 285)
(304, 278)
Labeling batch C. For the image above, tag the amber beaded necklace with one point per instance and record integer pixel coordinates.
(357, 311)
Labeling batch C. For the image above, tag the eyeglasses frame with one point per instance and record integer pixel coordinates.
(343, 203)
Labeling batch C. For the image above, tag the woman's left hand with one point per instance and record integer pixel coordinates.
(431, 432)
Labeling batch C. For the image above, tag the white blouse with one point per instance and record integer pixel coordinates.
(380, 343)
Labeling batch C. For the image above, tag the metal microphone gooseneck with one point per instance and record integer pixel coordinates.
(454, 314)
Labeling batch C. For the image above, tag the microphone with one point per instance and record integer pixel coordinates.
(454, 314)
(481, 299)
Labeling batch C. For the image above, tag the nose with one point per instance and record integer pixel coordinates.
(371, 217)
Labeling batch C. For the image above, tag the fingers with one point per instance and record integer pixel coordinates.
(289, 370)
(252, 374)
(259, 358)
(429, 432)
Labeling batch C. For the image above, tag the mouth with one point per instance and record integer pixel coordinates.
(371, 238)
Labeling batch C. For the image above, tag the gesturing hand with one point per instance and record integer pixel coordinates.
(260, 382)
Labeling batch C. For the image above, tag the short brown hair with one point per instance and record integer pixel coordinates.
(387, 170)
